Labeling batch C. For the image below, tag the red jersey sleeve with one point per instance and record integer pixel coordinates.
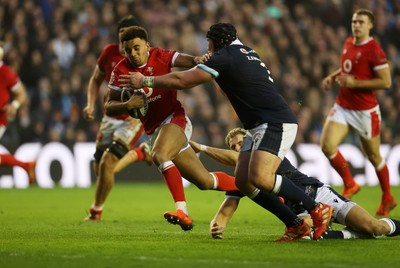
(378, 57)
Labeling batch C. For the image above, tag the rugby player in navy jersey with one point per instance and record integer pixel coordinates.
(247, 83)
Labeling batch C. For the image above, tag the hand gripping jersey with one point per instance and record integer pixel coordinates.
(360, 60)
(9, 81)
(161, 103)
(247, 83)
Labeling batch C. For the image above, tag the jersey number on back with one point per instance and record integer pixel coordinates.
(269, 73)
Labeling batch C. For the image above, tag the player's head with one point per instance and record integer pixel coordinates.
(135, 44)
(1, 50)
(362, 23)
(234, 139)
(126, 22)
(221, 35)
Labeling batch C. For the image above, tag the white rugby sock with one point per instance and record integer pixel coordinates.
(182, 206)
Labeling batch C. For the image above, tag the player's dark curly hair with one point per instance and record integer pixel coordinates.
(222, 34)
(127, 21)
(134, 32)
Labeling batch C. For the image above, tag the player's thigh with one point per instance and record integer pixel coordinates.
(333, 134)
(108, 160)
(192, 169)
(105, 134)
(262, 168)
(170, 140)
(241, 171)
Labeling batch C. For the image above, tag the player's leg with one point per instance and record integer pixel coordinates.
(269, 144)
(105, 180)
(126, 133)
(194, 171)
(116, 134)
(295, 227)
(103, 140)
(169, 139)
(140, 153)
(371, 149)
(359, 219)
(29, 167)
(10, 160)
(132, 128)
(333, 134)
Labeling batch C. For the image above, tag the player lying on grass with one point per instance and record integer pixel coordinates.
(359, 223)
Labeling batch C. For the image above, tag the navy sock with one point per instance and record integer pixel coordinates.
(333, 235)
(396, 227)
(291, 192)
(273, 204)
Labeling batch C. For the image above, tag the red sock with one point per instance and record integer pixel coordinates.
(225, 182)
(9, 160)
(383, 177)
(342, 167)
(173, 179)
(139, 152)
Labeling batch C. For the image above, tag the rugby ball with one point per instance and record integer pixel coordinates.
(127, 93)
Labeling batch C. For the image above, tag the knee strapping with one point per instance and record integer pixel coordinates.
(118, 149)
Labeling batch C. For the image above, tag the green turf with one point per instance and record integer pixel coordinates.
(44, 228)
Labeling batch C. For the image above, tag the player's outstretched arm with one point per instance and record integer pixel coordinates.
(225, 157)
(223, 216)
(172, 81)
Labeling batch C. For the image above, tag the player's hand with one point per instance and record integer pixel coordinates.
(327, 83)
(216, 231)
(195, 146)
(345, 80)
(88, 113)
(136, 101)
(133, 79)
(203, 58)
(10, 110)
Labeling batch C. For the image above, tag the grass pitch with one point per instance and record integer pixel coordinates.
(45, 228)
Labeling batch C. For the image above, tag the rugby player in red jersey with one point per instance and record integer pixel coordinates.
(11, 88)
(166, 123)
(363, 70)
(115, 132)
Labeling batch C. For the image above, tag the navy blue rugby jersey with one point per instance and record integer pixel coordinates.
(247, 83)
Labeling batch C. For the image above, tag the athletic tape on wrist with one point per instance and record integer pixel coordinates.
(203, 148)
(148, 81)
(15, 104)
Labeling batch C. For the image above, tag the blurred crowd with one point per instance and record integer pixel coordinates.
(53, 46)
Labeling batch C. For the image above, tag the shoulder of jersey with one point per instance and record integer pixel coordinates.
(111, 47)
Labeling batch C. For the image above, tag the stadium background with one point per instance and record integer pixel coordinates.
(53, 45)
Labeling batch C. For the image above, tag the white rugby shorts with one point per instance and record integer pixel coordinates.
(341, 206)
(367, 123)
(128, 131)
(187, 128)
